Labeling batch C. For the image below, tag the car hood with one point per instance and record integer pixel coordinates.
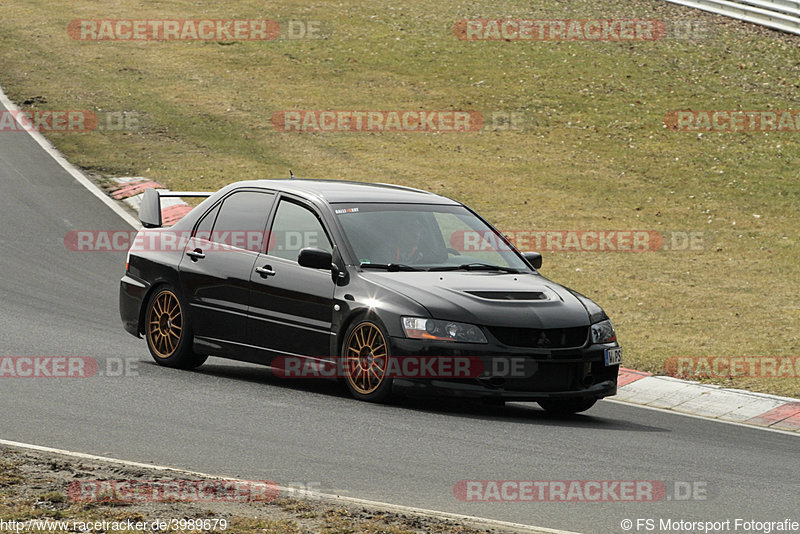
(487, 298)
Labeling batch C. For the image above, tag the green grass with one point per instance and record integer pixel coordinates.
(594, 153)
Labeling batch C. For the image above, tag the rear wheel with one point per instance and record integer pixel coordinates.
(365, 355)
(168, 334)
(569, 406)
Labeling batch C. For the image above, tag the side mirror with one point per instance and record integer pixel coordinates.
(315, 258)
(534, 258)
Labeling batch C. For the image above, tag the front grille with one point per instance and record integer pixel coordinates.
(546, 338)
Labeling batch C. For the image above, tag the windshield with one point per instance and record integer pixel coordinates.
(421, 236)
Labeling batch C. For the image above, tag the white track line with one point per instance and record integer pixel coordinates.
(70, 168)
(494, 523)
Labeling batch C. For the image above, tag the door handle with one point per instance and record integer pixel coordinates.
(196, 254)
(265, 271)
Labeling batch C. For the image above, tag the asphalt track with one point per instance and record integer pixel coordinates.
(236, 420)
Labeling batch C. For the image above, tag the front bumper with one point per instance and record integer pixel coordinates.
(578, 373)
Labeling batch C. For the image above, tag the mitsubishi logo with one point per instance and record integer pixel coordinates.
(543, 341)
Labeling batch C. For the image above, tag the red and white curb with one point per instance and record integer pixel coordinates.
(130, 190)
(706, 400)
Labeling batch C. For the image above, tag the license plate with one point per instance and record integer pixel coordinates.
(614, 356)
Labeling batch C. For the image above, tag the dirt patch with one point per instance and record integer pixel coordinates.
(37, 493)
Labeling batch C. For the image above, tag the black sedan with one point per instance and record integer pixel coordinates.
(390, 289)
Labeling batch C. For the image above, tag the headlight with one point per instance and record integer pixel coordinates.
(434, 329)
(603, 332)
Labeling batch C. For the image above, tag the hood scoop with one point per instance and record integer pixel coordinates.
(510, 295)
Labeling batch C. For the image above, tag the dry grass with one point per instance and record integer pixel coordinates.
(34, 486)
(594, 154)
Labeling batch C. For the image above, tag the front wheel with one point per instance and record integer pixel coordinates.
(365, 356)
(566, 407)
(169, 336)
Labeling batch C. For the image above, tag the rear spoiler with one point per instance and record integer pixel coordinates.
(150, 208)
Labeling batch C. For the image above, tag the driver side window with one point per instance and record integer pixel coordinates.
(295, 228)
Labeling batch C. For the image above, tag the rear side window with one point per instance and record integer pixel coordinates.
(242, 220)
(296, 227)
(206, 224)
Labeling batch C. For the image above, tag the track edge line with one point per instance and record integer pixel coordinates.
(323, 496)
(71, 169)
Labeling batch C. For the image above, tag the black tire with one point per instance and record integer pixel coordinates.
(567, 407)
(167, 331)
(365, 361)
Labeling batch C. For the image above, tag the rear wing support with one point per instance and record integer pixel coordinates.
(150, 209)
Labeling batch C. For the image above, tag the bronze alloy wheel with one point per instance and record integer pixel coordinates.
(366, 358)
(165, 324)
